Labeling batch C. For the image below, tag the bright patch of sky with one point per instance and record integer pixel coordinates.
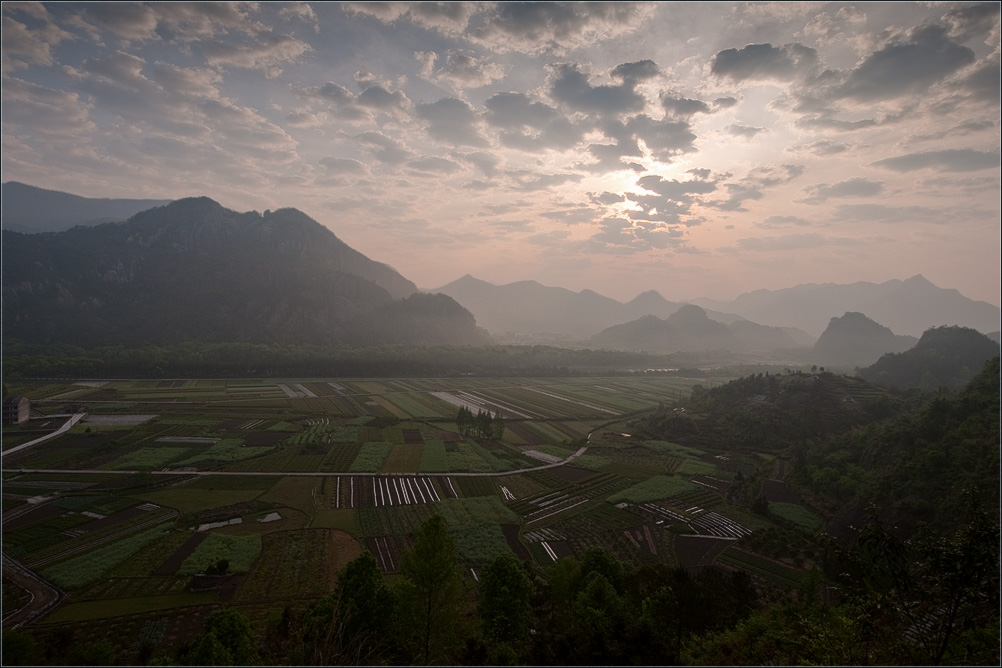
(699, 149)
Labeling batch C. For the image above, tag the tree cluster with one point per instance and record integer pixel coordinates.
(483, 424)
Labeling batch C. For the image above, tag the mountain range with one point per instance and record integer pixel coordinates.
(29, 209)
(907, 307)
(193, 269)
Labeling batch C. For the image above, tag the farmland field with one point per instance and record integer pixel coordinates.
(288, 479)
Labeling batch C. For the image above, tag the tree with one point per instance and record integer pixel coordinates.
(350, 626)
(505, 600)
(226, 640)
(432, 594)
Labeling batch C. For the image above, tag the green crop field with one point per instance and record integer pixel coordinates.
(317, 479)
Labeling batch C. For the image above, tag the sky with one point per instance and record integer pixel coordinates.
(698, 149)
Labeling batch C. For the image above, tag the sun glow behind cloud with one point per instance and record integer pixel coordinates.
(694, 148)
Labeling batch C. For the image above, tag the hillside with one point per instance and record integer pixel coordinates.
(530, 308)
(943, 357)
(690, 329)
(30, 210)
(195, 270)
(855, 340)
(907, 307)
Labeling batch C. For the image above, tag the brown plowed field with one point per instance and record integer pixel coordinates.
(171, 565)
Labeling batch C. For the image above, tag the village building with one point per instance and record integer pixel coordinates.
(16, 410)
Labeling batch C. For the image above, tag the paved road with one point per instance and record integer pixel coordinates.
(62, 430)
(314, 474)
(44, 597)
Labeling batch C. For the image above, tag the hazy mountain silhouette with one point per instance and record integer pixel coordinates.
(195, 270)
(528, 307)
(690, 329)
(29, 209)
(943, 357)
(907, 307)
(856, 340)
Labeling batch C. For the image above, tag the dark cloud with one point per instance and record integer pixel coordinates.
(570, 86)
(530, 125)
(452, 121)
(674, 199)
(377, 97)
(906, 67)
(666, 139)
(538, 27)
(857, 187)
(982, 84)
(461, 69)
(972, 20)
(485, 162)
(952, 160)
(765, 61)
(725, 102)
(267, 53)
(636, 72)
(683, 107)
(573, 215)
(606, 198)
(826, 147)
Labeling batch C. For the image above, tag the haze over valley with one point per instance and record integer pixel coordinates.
(503, 333)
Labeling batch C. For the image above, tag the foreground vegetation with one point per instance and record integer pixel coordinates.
(644, 519)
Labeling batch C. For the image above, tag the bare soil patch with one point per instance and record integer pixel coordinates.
(413, 436)
(511, 536)
(778, 490)
(571, 473)
(528, 436)
(111, 520)
(344, 548)
(39, 514)
(698, 551)
(171, 565)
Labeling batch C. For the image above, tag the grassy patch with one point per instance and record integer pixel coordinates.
(479, 543)
(194, 500)
(87, 568)
(669, 448)
(87, 610)
(240, 551)
(148, 458)
(654, 489)
(341, 519)
(474, 510)
(227, 450)
(433, 459)
(695, 467)
(371, 457)
(797, 514)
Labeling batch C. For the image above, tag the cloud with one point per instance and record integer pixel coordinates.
(765, 61)
(384, 148)
(487, 163)
(47, 112)
(625, 237)
(569, 86)
(951, 160)
(745, 131)
(674, 199)
(433, 165)
(857, 187)
(266, 55)
(531, 181)
(751, 187)
(343, 166)
(786, 242)
(679, 107)
(906, 67)
(972, 20)
(461, 69)
(194, 21)
(347, 106)
(666, 138)
(530, 125)
(448, 18)
(31, 46)
(556, 27)
(782, 222)
(636, 72)
(452, 121)
(879, 213)
(129, 20)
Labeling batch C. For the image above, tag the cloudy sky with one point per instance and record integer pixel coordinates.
(699, 149)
